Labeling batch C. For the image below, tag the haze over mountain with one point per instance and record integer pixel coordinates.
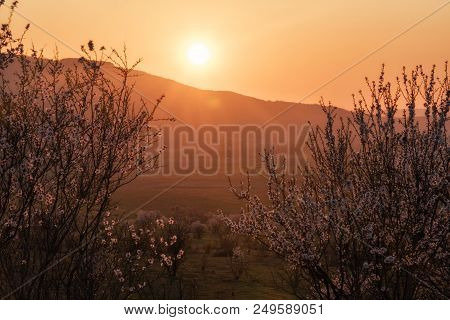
(195, 106)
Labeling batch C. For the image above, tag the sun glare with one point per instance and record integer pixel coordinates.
(198, 54)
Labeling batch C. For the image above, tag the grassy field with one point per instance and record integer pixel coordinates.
(215, 279)
(198, 194)
(201, 197)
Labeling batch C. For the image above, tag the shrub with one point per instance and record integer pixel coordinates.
(198, 229)
(228, 242)
(369, 217)
(69, 138)
(238, 263)
(215, 225)
(142, 257)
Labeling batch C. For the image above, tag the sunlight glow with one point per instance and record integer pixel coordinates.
(198, 54)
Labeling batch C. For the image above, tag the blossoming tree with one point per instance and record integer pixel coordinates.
(69, 137)
(369, 216)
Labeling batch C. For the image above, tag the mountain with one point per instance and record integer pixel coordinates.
(195, 106)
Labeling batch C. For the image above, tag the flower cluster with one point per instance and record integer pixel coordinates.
(144, 249)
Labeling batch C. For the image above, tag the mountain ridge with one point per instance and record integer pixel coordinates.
(195, 106)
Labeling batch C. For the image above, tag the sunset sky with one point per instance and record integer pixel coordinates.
(278, 50)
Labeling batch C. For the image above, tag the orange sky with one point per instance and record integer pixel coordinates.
(279, 50)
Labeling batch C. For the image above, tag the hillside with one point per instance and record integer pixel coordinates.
(195, 106)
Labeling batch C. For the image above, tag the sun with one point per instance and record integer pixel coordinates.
(198, 54)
